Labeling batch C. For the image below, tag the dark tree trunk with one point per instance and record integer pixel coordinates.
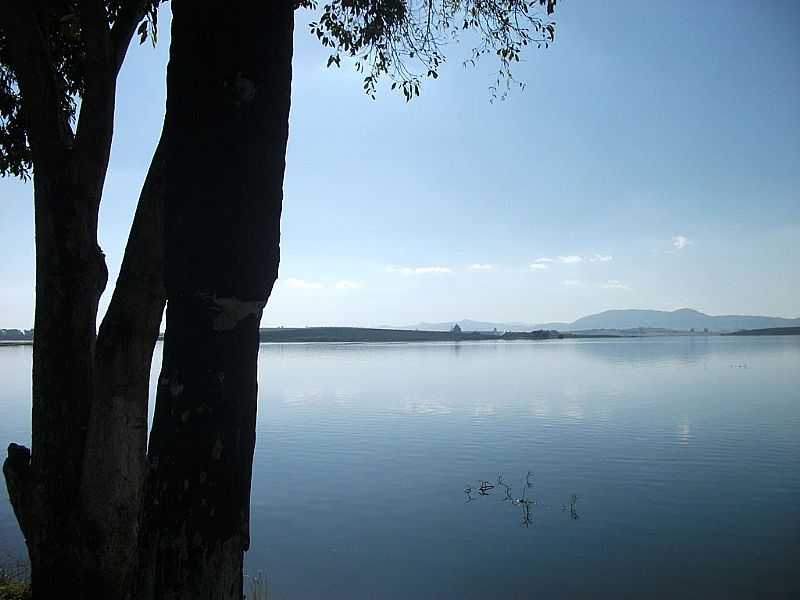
(228, 94)
(78, 496)
(74, 521)
(70, 277)
(116, 443)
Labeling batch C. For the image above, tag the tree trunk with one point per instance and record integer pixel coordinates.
(70, 276)
(116, 444)
(48, 486)
(228, 94)
(80, 521)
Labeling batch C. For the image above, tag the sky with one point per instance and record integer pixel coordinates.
(653, 161)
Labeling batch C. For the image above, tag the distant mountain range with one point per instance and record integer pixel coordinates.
(631, 322)
(682, 319)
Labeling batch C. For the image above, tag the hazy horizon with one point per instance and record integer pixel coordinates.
(461, 319)
(651, 163)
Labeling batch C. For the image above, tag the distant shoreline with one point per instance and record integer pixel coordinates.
(363, 334)
(768, 331)
(358, 334)
(289, 335)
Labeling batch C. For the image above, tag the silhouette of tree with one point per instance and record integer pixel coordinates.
(76, 495)
(206, 234)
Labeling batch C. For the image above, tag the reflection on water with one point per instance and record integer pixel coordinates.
(687, 350)
(684, 432)
(661, 470)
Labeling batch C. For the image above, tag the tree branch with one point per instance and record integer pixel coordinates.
(49, 133)
(94, 32)
(96, 122)
(138, 301)
(130, 15)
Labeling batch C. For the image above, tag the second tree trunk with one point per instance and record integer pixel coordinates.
(228, 95)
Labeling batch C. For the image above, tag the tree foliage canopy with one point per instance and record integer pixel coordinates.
(404, 40)
(61, 26)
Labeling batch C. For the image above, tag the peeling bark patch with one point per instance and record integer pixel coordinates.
(244, 89)
(175, 388)
(216, 451)
(233, 310)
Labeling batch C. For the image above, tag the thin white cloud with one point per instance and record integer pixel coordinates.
(679, 242)
(424, 270)
(573, 259)
(535, 266)
(570, 260)
(572, 283)
(481, 267)
(344, 284)
(419, 270)
(615, 284)
(302, 284)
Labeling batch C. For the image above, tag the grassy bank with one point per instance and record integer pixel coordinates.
(15, 582)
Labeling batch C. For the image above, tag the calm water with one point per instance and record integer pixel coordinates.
(684, 455)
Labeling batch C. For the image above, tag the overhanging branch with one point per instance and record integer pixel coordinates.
(130, 15)
(96, 122)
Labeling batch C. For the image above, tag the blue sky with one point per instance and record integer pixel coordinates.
(653, 161)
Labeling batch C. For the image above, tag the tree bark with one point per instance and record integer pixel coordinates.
(70, 277)
(116, 444)
(69, 170)
(228, 96)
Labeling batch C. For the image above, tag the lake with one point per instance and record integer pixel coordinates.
(632, 468)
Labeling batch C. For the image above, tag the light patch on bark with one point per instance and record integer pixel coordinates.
(233, 310)
(175, 388)
(244, 88)
(216, 451)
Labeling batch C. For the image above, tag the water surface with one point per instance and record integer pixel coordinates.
(684, 455)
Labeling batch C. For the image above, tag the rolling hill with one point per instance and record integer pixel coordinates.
(682, 319)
